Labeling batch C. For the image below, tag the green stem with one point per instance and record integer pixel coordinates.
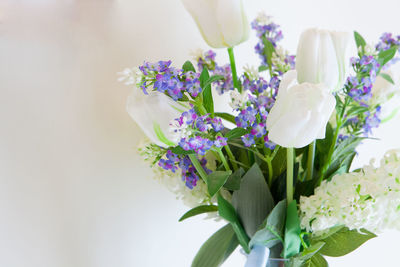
(233, 68)
(231, 157)
(270, 172)
(339, 122)
(310, 161)
(223, 159)
(289, 175)
(202, 109)
(199, 168)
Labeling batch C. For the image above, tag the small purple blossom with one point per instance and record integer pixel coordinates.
(258, 130)
(248, 140)
(269, 144)
(220, 141)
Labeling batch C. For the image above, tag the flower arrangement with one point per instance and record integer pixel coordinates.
(269, 150)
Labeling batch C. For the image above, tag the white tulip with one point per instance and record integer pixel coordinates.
(322, 57)
(154, 113)
(222, 23)
(300, 113)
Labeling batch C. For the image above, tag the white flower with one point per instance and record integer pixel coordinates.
(300, 113)
(369, 199)
(153, 113)
(238, 100)
(251, 72)
(369, 50)
(278, 59)
(322, 58)
(223, 23)
(263, 18)
(129, 76)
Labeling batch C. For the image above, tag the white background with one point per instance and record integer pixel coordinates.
(73, 191)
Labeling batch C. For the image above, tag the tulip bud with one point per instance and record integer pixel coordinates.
(222, 23)
(322, 58)
(153, 113)
(300, 113)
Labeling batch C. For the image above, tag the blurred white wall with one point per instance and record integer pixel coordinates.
(73, 191)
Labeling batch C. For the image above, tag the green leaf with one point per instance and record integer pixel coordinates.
(253, 201)
(304, 258)
(235, 133)
(360, 41)
(269, 49)
(227, 211)
(199, 210)
(387, 77)
(278, 187)
(188, 66)
(344, 241)
(217, 248)
(279, 162)
(216, 180)
(386, 55)
(327, 233)
(262, 68)
(270, 232)
(208, 102)
(212, 79)
(226, 116)
(233, 182)
(180, 151)
(316, 261)
(292, 231)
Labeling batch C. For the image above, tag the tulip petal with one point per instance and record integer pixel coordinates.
(153, 110)
(204, 13)
(230, 21)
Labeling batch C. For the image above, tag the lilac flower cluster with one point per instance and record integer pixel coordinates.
(208, 60)
(253, 119)
(387, 40)
(201, 125)
(169, 80)
(270, 31)
(173, 161)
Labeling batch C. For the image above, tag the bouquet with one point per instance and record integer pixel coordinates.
(269, 149)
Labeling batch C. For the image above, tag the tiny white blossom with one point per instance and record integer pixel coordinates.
(129, 76)
(238, 100)
(196, 54)
(252, 72)
(263, 18)
(369, 50)
(180, 130)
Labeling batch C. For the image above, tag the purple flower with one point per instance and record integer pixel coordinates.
(248, 140)
(258, 130)
(268, 143)
(220, 141)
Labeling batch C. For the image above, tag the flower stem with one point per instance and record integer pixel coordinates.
(198, 167)
(233, 68)
(270, 171)
(231, 157)
(310, 161)
(223, 159)
(289, 175)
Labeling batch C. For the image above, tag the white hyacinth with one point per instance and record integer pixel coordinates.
(369, 199)
(238, 100)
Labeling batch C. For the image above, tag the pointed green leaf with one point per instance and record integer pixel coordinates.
(344, 241)
(188, 66)
(227, 211)
(199, 210)
(304, 258)
(387, 77)
(386, 55)
(208, 101)
(180, 151)
(216, 180)
(269, 49)
(292, 231)
(235, 133)
(212, 79)
(217, 248)
(253, 201)
(271, 231)
(360, 42)
(316, 261)
(226, 116)
(233, 182)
